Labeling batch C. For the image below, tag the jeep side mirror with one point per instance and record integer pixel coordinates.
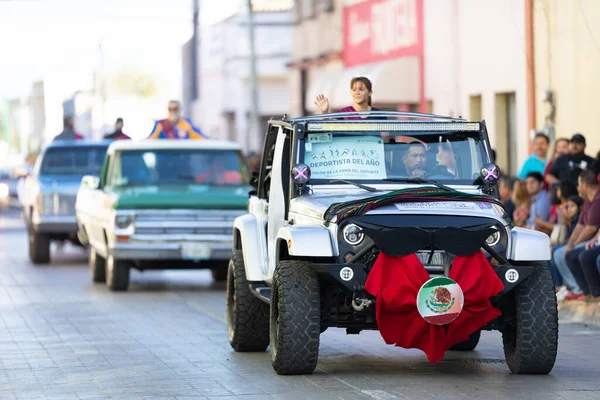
(300, 177)
(490, 173)
(90, 182)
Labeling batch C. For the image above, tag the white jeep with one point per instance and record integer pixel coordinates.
(334, 192)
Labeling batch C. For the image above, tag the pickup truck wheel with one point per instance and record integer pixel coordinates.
(247, 316)
(97, 267)
(295, 318)
(469, 344)
(117, 274)
(39, 247)
(531, 341)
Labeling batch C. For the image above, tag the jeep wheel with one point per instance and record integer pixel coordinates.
(117, 274)
(39, 247)
(295, 318)
(469, 344)
(531, 341)
(219, 271)
(97, 266)
(247, 316)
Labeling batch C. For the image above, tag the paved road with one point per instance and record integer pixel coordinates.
(63, 337)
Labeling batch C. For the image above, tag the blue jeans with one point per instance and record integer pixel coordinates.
(556, 276)
(561, 264)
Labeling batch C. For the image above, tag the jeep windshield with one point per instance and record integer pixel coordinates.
(75, 161)
(392, 152)
(168, 167)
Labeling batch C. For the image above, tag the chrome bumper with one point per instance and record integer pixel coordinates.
(55, 224)
(193, 250)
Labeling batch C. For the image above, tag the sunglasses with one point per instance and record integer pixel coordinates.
(174, 109)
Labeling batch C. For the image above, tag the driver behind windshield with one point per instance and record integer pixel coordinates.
(415, 160)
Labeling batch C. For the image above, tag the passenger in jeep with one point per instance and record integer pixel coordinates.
(415, 160)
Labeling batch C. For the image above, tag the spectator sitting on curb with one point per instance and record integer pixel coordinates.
(586, 229)
(559, 197)
(582, 261)
(569, 220)
(540, 201)
(537, 161)
(505, 189)
(569, 166)
(522, 200)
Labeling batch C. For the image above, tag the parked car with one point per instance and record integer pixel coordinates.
(391, 224)
(49, 193)
(162, 205)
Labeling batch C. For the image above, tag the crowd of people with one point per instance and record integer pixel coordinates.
(559, 194)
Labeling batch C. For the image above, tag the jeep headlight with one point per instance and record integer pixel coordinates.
(493, 239)
(353, 235)
(123, 221)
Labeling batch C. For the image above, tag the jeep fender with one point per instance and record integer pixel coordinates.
(309, 241)
(247, 237)
(528, 245)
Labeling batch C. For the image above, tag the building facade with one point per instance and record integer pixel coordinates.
(223, 108)
(567, 68)
(457, 57)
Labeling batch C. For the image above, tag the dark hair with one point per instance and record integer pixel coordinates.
(577, 200)
(508, 181)
(120, 120)
(366, 81)
(536, 175)
(542, 135)
(68, 121)
(554, 199)
(568, 189)
(588, 176)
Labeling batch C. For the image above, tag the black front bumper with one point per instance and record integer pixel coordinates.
(510, 275)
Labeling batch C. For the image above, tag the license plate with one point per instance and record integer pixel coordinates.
(195, 251)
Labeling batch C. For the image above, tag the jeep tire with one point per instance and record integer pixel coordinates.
(97, 266)
(39, 247)
(247, 316)
(469, 344)
(531, 342)
(295, 318)
(117, 274)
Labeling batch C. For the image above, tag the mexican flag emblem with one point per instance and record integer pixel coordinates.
(440, 300)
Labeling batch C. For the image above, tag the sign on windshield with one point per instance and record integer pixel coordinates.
(374, 156)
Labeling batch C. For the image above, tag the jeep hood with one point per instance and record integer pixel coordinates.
(316, 204)
(200, 197)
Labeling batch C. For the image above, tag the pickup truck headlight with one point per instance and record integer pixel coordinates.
(123, 221)
(45, 203)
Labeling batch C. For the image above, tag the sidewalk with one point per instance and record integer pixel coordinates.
(579, 312)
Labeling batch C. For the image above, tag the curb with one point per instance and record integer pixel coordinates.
(580, 312)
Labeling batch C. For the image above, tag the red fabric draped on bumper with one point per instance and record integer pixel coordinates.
(395, 281)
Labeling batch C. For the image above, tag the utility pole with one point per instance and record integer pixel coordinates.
(195, 71)
(254, 118)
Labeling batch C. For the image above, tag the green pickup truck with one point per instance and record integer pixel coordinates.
(162, 205)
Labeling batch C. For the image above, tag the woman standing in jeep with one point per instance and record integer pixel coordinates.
(362, 90)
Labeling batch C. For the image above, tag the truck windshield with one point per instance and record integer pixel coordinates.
(199, 166)
(74, 161)
(375, 156)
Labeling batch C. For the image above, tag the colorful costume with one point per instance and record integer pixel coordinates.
(183, 129)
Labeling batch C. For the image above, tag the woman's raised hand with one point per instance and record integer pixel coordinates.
(322, 103)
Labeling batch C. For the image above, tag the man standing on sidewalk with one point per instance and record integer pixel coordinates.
(118, 133)
(582, 261)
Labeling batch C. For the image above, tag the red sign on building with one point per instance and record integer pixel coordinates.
(377, 30)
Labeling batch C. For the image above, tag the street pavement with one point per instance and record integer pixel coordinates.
(63, 337)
